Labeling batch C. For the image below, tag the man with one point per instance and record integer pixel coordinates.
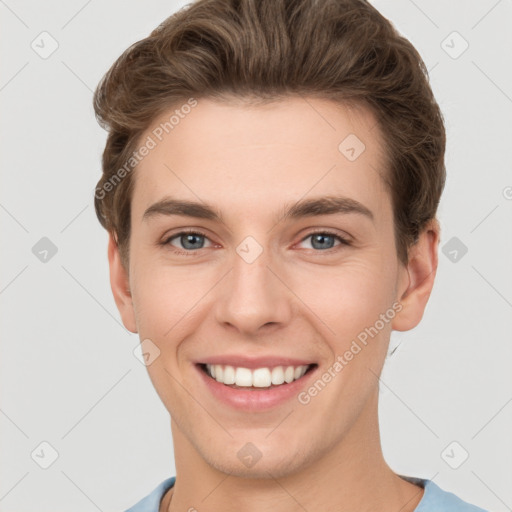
(270, 185)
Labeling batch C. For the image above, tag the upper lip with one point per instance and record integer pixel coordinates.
(243, 361)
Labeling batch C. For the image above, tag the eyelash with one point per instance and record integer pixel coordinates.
(167, 241)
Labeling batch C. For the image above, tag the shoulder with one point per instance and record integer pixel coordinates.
(151, 502)
(436, 499)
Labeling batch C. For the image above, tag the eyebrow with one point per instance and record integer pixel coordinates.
(326, 205)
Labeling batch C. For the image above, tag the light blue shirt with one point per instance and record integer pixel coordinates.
(434, 498)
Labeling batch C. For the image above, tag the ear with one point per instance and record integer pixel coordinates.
(120, 284)
(417, 278)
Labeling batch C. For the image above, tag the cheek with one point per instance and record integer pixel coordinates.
(346, 298)
(340, 299)
(170, 300)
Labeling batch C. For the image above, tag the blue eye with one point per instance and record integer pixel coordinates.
(320, 238)
(190, 241)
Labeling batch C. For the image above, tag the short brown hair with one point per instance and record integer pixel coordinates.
(265, 50)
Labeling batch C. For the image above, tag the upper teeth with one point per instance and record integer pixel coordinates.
(260, 377)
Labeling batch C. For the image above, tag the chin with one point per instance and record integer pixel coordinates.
(248, 461)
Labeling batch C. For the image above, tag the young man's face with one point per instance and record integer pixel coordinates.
(260, 289)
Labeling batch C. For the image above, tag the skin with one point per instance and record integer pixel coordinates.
(294, 299)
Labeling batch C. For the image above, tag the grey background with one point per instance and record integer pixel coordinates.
(68, 373)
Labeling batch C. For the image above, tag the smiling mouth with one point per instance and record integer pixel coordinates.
(257, 379)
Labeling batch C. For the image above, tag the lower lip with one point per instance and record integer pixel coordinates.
(255, 399)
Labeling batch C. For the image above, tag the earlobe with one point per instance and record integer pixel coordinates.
(421, 271)
(119, 282)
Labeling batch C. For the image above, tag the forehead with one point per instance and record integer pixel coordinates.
(249, 158)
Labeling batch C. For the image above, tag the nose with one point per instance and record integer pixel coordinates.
(253, 296)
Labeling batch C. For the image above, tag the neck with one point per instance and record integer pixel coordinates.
(351, 475)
